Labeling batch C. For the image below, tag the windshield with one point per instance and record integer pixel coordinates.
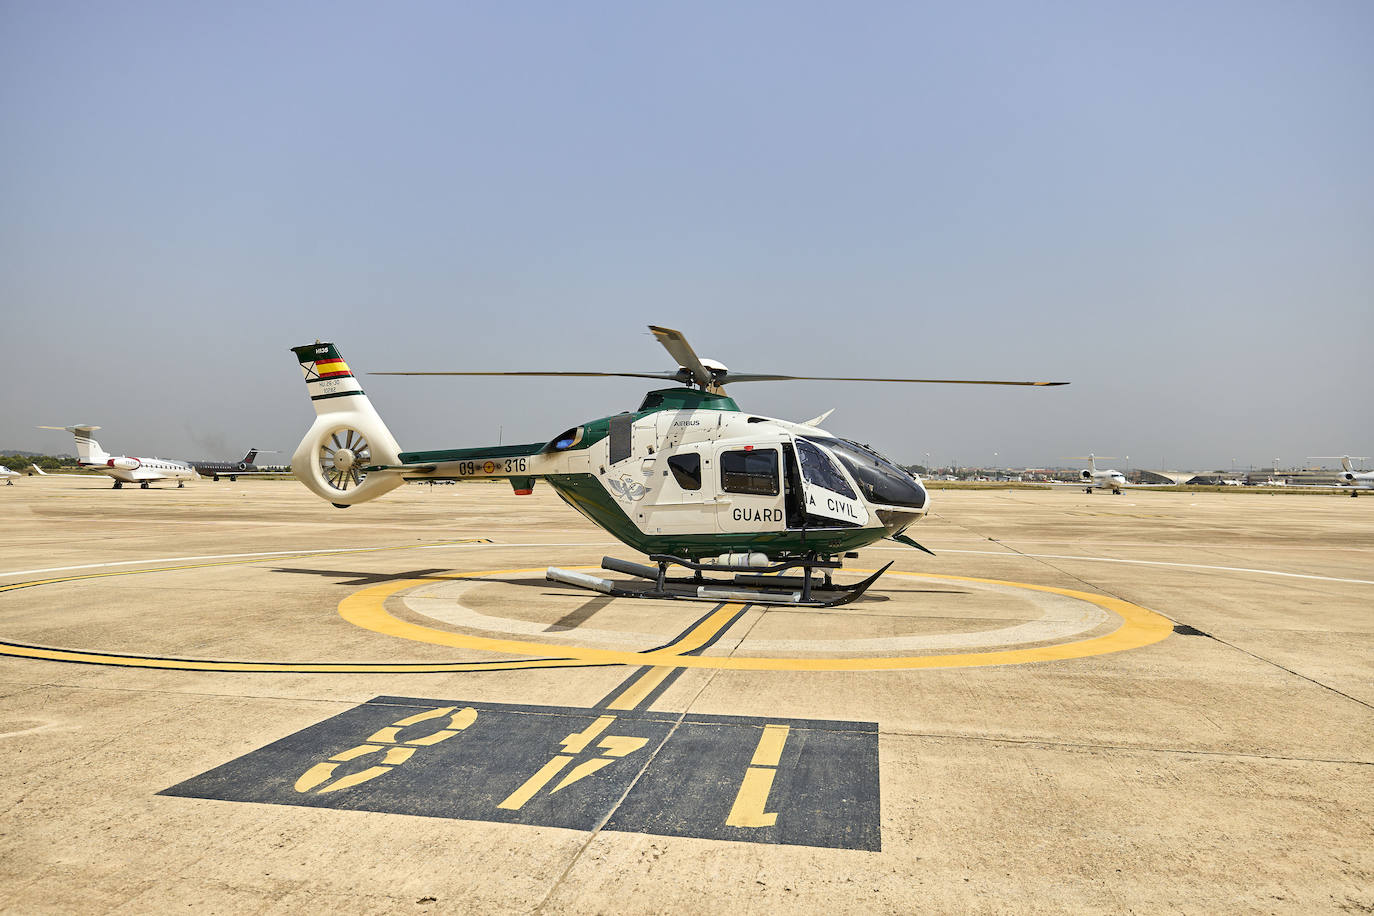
(820, 469)
(882, 482)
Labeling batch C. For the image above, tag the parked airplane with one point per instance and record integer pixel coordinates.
(124, 468)
(1351, 478)
(8, 475)
(231, 469)
(1356, 480)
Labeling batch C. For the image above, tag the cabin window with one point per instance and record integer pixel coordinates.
(565, 440)
(751, 471)
(686, 470)
(820, 469)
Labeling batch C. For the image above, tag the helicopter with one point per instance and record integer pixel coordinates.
(688, 478)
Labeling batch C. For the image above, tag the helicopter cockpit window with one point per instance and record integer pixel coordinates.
(819, 468)
(565, 440)
(750, 471)
(686, 470)
(881, 481)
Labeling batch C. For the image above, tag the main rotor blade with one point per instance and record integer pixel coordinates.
(679, 349)
(731, 377)
(670, 376)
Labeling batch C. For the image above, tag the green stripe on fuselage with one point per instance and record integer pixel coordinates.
(466, 454)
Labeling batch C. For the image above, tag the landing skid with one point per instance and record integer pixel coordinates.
(759, 585)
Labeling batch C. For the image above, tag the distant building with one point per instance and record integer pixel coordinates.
(1312, 477)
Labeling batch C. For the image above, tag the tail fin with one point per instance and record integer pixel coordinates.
(1347, 461)
(248, 458)
(1090, 458)
(40, 471)
(347, 435)
(88, 451)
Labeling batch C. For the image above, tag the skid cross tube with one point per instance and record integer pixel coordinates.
(802, 591)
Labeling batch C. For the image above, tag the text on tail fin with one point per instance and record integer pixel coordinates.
(326, 374)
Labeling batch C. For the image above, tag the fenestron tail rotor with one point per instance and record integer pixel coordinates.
(342, 457)
(710, 375)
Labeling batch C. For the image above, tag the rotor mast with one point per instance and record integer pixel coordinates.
(703, 373)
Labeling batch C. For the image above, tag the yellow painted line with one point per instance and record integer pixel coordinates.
(769, 751)
(577, 742)
(46, 653)
(705, 631)
(43, 653)
(747, 811)
(516, 800)
(1140, 627)
(582, 770)
(641, 688)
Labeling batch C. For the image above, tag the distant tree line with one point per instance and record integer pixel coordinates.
(21, 460)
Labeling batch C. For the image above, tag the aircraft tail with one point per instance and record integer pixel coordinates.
(347, 437)
(1090, 458)
(1347, 462)
(248, 458)
(88, 451)
(39, 471)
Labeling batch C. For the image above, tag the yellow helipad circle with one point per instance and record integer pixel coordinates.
(1139, 627)
(364, 608)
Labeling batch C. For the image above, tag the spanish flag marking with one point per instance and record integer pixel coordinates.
(331, 368)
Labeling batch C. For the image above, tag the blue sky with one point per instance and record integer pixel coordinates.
(1168, 204)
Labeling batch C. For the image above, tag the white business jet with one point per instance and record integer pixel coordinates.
(1107, 479)
(125, 468)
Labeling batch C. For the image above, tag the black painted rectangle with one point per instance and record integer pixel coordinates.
(681, 778)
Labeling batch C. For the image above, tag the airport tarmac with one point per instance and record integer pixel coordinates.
(236, 698)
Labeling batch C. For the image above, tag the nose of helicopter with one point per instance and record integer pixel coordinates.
(905, 491)
(904, 501)
(918, 492)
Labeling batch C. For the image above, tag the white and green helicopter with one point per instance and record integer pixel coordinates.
(688, 478)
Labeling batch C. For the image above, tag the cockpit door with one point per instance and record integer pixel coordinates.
(827, 495)
(750, 496)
